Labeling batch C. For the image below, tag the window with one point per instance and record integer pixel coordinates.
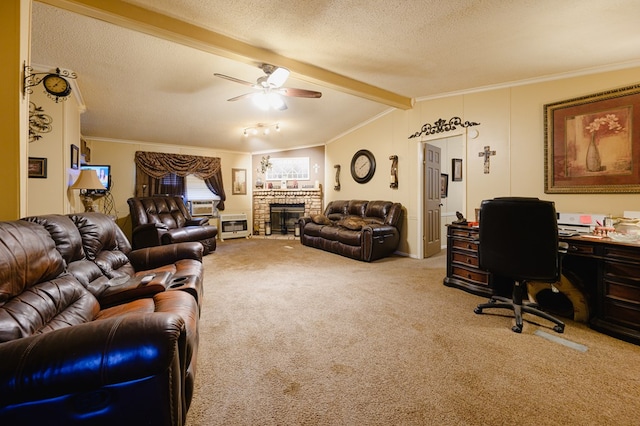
(197, 189)
(289, 169)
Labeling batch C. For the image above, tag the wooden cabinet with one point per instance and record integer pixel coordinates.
(463, 269)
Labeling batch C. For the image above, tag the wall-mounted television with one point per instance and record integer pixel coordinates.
(103, 171)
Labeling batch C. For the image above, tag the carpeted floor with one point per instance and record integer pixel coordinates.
(292, 335)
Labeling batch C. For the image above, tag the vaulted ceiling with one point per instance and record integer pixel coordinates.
(146, 67)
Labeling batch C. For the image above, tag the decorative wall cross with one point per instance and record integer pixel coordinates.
(487, 153)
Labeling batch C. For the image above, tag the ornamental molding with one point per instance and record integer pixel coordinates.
(441, 125)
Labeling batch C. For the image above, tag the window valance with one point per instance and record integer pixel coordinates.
(160, 164)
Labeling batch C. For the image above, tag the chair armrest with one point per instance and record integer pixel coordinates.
(197, 221)
(155, 257)
(88, 356)
(148, 234)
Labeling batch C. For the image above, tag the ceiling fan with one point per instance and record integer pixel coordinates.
(270, 90)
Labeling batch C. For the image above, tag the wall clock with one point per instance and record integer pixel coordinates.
(363, 166)
(56, 85)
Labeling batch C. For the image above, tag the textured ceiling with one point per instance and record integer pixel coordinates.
(141, 87)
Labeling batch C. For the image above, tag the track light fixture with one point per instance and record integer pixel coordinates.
(263, 128)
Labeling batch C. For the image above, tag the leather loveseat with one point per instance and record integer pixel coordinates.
(164, 219)
(362, 230)
(70, 358)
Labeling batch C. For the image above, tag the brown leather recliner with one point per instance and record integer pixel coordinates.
(67, 360)
(164, 219)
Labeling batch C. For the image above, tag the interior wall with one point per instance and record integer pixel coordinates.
(120, 155)
(511, 124)
(52, 194)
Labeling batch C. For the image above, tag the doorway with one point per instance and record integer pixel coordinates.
(454, 199)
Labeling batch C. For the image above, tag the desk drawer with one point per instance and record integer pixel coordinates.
(465, 259)
(465, 245)
(577, 248)
(477, 276)
(622, 313)
(470, 233)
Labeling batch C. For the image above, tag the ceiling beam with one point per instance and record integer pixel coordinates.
(139, 19)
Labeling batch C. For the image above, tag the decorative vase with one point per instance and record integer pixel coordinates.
(593, 156)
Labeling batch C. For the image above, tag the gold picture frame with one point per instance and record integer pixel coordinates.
(592, 143)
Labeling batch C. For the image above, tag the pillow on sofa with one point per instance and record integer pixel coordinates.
(321, 219)
(353, 223)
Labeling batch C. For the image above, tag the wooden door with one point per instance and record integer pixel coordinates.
(432, 203)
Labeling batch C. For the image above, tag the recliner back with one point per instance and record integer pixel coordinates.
(519, 238)
(167, 210)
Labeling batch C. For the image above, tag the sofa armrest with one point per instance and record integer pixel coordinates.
(133, 288)
(155, 257)
(89, 356)
(197, 221)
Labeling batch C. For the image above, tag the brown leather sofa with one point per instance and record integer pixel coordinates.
(69, 357)
(361, 230)
(164, 219)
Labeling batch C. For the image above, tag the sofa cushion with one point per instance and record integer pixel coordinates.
(357, 208)
(321, 219)
(28, 255)
(50, 305)
(353, 223)
(64, 233)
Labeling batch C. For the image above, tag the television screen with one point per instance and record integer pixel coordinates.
(103, 171)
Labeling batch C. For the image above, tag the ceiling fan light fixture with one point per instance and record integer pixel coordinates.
(275, 101)
(261, 101)
(278, 77)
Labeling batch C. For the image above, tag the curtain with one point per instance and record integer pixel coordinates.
(151, 167)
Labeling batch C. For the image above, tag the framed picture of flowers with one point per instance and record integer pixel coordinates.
(592, 143)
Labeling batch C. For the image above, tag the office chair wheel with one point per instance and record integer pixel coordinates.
(477, 310)
(516, 329)
(558, 329)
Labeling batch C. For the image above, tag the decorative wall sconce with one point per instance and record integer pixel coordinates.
(337, 185)
(394, 171)
(265, 129)
(55, 84)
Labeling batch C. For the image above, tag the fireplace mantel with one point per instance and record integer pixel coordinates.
(263, 198)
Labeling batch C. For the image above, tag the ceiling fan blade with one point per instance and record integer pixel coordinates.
(235, 80)
(299, 93)
(237, 98)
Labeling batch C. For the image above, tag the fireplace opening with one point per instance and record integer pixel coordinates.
(284, 217)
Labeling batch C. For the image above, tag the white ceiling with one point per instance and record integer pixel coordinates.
(141, 87)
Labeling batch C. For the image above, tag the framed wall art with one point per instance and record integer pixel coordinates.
(444, 185)
(456, 169)
(592, 143)
(239, 181)
(37, 167)
(75, 157)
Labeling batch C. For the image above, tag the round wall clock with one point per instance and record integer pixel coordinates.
(363, 166)
(56, 85)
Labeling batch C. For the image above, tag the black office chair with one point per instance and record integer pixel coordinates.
(519, 241)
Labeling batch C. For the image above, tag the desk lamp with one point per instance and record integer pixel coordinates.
(88, 183)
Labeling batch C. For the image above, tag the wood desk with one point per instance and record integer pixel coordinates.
(606, 271)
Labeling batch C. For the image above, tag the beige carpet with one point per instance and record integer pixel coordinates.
(292, 335)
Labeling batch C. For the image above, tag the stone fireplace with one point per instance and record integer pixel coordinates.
(308, 202)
